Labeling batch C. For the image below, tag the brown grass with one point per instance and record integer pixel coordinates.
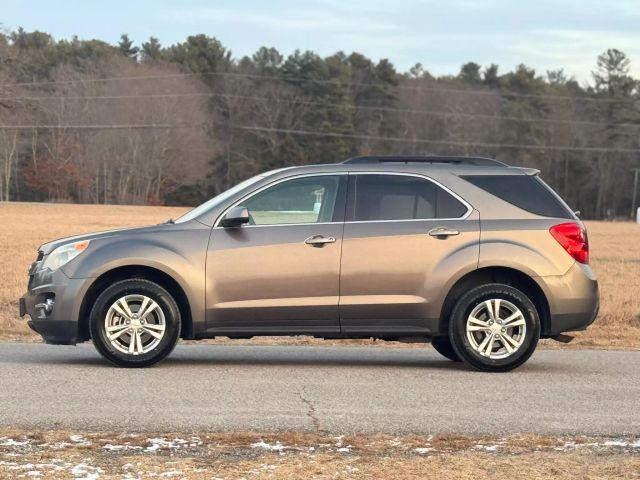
(59, 454)
(615, 257)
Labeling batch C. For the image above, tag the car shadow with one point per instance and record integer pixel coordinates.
(189, 356)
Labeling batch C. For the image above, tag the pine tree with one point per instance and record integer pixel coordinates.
(151, 50)
(126, 47)
(470, 73)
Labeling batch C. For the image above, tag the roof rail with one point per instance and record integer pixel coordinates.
(480, 161)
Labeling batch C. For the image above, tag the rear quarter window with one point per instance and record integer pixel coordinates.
(527, 192)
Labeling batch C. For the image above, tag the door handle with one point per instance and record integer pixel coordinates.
(442, 232)
(319, 240)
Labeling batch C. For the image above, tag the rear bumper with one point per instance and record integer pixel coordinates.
(574, 299)
(52, 303)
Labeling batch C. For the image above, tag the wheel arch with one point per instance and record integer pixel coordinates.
(505, 275)
(135, 271)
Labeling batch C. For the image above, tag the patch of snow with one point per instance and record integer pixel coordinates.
(61, 445)
(10, 442)
(276, 447)
(195, 442)
(488, 448)
(171, 473)
(568, 445)
(158, 443)
(79, 439)
(24, 466)
(615, 443)
(34, 473)
(119, 448)
(346, 449)
(82, 471)
(423, 450)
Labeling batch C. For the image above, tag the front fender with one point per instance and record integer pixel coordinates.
(180, 254)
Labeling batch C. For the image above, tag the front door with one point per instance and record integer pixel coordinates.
(404, 238)
(279, 274)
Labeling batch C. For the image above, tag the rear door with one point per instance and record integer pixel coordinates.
(405, 236)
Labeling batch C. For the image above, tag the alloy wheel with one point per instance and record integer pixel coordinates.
(496, 328)
(135, 324)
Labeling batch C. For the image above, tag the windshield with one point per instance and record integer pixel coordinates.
(217, 200)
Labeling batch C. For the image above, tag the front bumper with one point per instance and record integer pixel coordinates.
(574, 299)
(52, 303)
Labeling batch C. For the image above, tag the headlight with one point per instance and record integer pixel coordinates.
(64, 254)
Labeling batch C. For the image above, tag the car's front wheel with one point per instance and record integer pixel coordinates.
(135, 323)
(443, 346)
(494, 327)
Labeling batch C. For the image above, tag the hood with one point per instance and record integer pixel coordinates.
(47, 248)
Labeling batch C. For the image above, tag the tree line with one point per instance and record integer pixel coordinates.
(87, 121)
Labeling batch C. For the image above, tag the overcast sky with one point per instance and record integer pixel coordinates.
(441, 35)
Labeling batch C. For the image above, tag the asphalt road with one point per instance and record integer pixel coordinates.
(334, 389)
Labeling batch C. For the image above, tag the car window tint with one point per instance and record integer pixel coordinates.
(527, 192)
(449, 206)
(301, 200)
(402, 197)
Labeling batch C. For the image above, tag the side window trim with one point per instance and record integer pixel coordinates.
(352, 192)
(339, 205)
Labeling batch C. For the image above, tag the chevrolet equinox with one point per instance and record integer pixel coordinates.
(480, 258)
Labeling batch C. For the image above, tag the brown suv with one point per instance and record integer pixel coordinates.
(480, 258)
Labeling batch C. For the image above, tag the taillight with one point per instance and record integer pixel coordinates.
(573, 239)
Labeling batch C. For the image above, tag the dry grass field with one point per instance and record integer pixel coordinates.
(615, 256)
(63, 454)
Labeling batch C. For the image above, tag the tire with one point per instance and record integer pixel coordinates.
(443, 346)
(494, 344)
(154, 335)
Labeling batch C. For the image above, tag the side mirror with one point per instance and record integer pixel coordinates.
(236, 217)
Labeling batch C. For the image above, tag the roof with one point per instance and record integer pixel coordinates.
(456, 165)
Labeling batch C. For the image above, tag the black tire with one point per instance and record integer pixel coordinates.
(155, 292)
(443, 346)
(458, 332)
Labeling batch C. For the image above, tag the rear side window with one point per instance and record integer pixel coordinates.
(527, 192)
(400, 197)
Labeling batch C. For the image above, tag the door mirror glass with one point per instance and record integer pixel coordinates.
(236, 217)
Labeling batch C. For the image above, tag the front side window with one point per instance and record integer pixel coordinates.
(301, 200)
(401, 197)
(217, 200)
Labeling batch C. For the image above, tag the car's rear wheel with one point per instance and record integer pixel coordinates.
(443, 346)
(135, 323)
(494, 327)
